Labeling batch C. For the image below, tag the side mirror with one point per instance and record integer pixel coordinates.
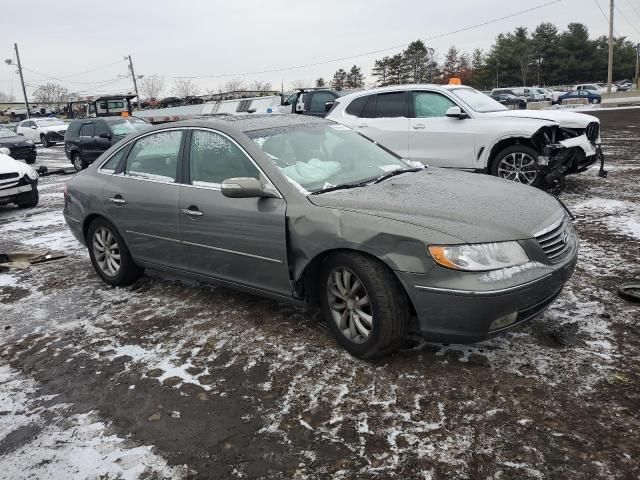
(328, 105)
(106, 135)
(456, 112)
(244, 187)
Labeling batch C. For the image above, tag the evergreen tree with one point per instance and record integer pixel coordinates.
(354, 79)
(320, 82)
(339, 79)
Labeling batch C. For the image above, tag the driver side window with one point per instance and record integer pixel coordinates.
(431, 105)
(213, 158)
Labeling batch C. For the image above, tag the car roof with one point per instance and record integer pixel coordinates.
(402, 88)
(251, 122)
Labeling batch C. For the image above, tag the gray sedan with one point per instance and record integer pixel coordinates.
(304, 210)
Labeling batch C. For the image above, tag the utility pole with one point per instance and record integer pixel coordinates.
(24, 90)
(610, 68)
(638, 66)
(135, 83)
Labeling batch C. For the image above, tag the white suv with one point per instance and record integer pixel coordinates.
(455, 126)
(48, 131)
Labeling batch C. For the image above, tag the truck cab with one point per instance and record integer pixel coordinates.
(308, 101)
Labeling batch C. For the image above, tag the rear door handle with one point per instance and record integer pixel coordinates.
(192, 212)
(118, 200)
(419, 126)
(362, 125)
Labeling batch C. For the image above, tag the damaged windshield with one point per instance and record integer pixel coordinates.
(321, 157)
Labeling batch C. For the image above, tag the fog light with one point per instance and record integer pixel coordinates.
(505, 321)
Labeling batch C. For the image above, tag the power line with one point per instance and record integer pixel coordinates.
(92, 70)
(627, 20)
(634, 8)
(395, 47)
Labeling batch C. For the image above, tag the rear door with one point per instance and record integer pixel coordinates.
(436, 139)
(385, 119)
(141, 198)
(86, 141)
(102, 138)
(239, 240)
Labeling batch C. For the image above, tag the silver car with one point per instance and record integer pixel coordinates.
(304, 210)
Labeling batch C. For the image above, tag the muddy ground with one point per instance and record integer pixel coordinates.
(174, 379)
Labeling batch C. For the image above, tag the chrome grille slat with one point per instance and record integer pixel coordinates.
(555, 239)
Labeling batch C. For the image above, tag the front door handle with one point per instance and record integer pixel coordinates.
(118, 200)
(419, 126)
(362, 125)
(192, 212)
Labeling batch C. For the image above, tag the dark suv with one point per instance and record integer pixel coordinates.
(87, 138)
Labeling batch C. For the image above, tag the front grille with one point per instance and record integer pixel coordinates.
(22, 152)
(555, 239)
(7, 176)
(593, 131)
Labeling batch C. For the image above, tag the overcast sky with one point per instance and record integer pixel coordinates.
(188, 37)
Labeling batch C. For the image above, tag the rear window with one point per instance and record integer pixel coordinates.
(73, 129)
(87, 130)
(357, 105)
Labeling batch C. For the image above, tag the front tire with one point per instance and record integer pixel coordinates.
(109, 254)
(517, 163)
(46, 143)
(78, 163)
(30, 160)
(364, 305)
(32, 201)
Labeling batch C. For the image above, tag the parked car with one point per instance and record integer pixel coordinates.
(458, 127)
(586, 95)
(509, 91)
(86, 139)
(301, 209)
(508, 99)
(47, 131)
(18, 182)
(19, 147)
(546, 94)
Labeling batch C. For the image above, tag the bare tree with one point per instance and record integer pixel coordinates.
(259, 86)
(4, 97)
(296, 84)
(51, 94)
(151, 87)
(234, 85)
(185, 87)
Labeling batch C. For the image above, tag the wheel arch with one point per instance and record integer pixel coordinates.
(500, 145)
(307, 284)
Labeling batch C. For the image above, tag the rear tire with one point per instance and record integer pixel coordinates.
(77, 161)
(30, 160)
(364, 305)
(517, 163)
(109, 254)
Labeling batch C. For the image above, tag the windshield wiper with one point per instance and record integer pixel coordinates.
(344, 186)
(397, 172)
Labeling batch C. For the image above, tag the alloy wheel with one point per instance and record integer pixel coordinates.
(518, 167)
(106, 251)
(77, 162)
(350, 304)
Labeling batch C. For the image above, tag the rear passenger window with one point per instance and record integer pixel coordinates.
(101, 127)
(214, 158)
(87, 130)
(155, 157)
(356, 107)
(392, 105)
(110, 165)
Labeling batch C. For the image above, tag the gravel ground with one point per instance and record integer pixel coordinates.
(174, 379)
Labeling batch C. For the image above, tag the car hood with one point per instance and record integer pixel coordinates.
(54, 128)
(9, 165)
(471, 207)
(563, 118)
(14, 141)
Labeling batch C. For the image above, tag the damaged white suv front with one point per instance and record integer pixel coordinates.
(18, 182)
(454, 126)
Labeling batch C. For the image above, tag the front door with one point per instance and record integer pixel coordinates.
(141, 198)
(239, 240)
(436, 139)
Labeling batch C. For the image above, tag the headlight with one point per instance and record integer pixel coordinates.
(479, 257)
(31, 173)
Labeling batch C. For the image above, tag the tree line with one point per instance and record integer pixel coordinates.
(546, 56)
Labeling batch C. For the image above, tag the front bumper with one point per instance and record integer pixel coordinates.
(452, 315)
(20, 193)
(23, 152)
